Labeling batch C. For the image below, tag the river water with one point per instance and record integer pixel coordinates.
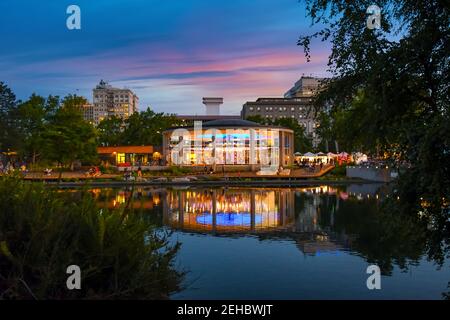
(288, 243)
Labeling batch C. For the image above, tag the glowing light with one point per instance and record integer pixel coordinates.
(228, 219)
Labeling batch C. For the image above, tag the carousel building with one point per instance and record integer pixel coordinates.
(229, 142)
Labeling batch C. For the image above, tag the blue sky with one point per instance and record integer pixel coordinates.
(171, 53)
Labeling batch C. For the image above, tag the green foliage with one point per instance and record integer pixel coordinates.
(30, 119)
(389, 94)
(67, 137)
(178, 171)
(7, 106)
(141, 128)
(47, 130)
(340, 171)
(43, 231)
(302, 142)
(110, 131)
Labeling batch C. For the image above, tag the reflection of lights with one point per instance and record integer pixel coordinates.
(228, 219)
(234, 209)
(121, 198)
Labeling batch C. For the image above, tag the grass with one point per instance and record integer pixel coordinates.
(43, 231)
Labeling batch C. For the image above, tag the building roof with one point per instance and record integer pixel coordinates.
(236, 123)
(280, 101)
(231, 123)
(125, 149)
(207, 117)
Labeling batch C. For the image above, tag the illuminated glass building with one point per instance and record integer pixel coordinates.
(229, 142)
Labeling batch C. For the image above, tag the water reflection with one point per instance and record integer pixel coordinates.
(342, 224)
(306, 215)
(242, 210)
(229, 210)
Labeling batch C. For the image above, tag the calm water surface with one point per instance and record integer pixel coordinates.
(293, 243)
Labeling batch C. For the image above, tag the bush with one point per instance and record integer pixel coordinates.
(43, 231)
(339, 171)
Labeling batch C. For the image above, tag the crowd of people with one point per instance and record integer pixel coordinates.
(313, 165)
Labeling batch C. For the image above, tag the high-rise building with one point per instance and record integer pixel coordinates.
(88, 112)
(305, 87)
(299, 109)
(109, 101)
(296, 104)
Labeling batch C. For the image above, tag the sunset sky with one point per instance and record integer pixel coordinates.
(170, 52)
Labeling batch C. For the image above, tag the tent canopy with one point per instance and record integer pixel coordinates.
(309, 154)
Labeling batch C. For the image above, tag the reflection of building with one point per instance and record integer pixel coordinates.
(229, 142)
(235, 210)
(128, 155)
(147, 199)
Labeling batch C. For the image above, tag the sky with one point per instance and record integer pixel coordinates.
(171, 53)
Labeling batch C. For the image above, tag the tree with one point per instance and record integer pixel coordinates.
(110, 131)
(30, 119)
(302, 142)
(390, 88)
(146, 127)
(141, 128)
(68, 137)
(8, 104)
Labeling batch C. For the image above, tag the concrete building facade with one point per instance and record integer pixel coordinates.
(305, 87)
(109, 101)
(299, 109)
(296, 104)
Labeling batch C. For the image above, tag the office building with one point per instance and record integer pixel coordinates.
(109, 101)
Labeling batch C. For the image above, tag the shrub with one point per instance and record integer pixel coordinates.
(339, 171)
(43, 231)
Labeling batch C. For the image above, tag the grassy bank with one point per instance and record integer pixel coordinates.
(43, 231)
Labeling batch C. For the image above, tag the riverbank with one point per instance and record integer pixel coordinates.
(281, 183)
(296, 173)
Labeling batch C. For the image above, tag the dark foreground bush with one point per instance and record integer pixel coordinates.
(43, 231)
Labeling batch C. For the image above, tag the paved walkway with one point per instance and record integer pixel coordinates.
(294, 173)
(65, 175)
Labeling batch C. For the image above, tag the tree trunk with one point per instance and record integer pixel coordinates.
(60, 172)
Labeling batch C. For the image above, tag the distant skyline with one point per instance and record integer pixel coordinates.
(171, 53)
